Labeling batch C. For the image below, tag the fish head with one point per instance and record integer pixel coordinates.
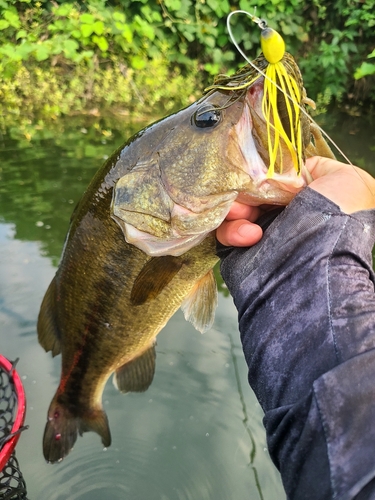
(192, 166)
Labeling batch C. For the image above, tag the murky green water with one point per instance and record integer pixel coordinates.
(197, 433)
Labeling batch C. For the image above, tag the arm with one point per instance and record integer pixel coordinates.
(306, 303)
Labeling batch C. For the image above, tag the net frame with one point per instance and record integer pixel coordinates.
(17, 397)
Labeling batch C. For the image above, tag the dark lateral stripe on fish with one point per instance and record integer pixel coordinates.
(89, 339)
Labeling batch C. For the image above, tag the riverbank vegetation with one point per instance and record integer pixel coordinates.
(149, 57)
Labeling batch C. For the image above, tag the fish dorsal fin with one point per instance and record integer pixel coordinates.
(154, 277)
(136, 375)
(199, 306)
(48, 334)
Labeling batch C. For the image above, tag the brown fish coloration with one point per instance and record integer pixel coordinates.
(141, 245)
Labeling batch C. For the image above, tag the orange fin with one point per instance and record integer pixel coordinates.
(154, 277)
(48, 334)
(200, 304)
(136, 375)
(62, 429)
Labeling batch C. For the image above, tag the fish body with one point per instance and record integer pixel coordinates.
(141, 245)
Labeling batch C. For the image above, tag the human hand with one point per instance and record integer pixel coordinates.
(351, 188)
(238, 228)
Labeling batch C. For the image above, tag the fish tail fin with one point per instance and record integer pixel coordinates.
(63, 426)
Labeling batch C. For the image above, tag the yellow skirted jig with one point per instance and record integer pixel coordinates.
(273, 48)
(279, 85)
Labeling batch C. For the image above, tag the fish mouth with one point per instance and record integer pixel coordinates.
(264, 188)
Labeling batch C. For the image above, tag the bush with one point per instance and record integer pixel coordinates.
(140, 54)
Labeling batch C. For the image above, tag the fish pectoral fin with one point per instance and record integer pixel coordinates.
(136, 375)
(154, 277)
(48, 334)
(200, 304)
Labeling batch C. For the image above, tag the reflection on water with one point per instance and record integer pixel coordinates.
(354, 135)
(41, 180)
(197, 432)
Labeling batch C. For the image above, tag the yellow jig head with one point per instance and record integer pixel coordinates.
(273, 45)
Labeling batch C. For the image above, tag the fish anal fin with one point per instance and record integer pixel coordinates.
(137, 374)
(62, 429)
(200, 304)
(154, 277)
(48, 333)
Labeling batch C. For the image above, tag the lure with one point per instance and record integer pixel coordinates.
(279, 84)
(277, 77)
(273, 48)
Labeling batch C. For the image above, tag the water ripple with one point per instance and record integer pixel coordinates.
(136, 471)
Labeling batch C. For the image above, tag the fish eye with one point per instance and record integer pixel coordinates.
(207, 116)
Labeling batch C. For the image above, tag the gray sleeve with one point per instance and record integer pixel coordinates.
(306, 306)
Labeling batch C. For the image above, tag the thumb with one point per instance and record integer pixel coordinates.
(350, 187)
(318, 166)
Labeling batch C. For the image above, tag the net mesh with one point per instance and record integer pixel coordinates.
(12, 484)
(8, 405)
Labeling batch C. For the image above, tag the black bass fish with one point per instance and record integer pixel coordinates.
(141, 245)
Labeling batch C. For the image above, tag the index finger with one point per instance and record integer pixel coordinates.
(242, 211)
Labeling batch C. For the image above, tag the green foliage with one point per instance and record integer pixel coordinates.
(36, 92)
(365, 68)
(121, 52)
(343, 35)
(68, 32)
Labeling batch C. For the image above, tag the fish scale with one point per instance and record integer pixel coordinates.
(141, 245)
